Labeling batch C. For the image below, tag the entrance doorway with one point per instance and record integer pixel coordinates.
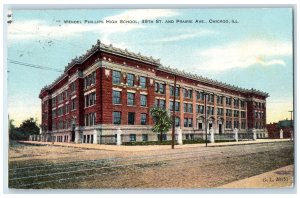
(73, 133)
(199, 125)
(220, 129)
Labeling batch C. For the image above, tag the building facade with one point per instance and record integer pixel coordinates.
(108, 89)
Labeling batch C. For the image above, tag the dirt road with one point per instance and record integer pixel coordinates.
(61, 167)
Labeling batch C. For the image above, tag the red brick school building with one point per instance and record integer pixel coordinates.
(108, 89)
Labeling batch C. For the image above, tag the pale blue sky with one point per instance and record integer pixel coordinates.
(254, 53)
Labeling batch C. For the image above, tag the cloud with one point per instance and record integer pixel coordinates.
(244, 54)
(33, 29)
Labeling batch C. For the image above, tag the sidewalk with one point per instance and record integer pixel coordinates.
(150, 147)
(279, 178)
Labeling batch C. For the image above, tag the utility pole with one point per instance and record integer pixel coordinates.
(205, 118)
(173, 125)
(292, 132)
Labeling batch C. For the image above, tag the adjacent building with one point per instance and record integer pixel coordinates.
(108, 88)
(274, 129)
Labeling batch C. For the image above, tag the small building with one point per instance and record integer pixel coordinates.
(108, 89)
(274, 129)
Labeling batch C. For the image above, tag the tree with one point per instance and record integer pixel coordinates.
(162, 120)
(11, 128)
(27, 128)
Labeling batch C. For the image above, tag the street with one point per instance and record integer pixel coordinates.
(40, 167)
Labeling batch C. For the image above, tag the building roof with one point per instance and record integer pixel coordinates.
(149, 60)
(284, 123)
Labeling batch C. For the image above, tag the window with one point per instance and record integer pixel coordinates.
(54, 102)
(188, 108)
(185, 109)
(236, 102)
(185, 93)
(188, 122)
(236, 113)
(172, 91)
(131, 117)
(188, 93)
(220, 111)
(160, 88)
(143, 83)
(116, 117)
(228, 124)
(90, 99)
(220, 99)
(132, 137)
(130, 80)
(60, 98)
(177, 106)
(130, 98)
(67, 108)
(116, 77)
(143, 119)
(243, 114)
(177, 121)
(156, 102)
(144, 137)
(236, 124)
(90, 119)
(73, 87)
(164, 137)
(228, 101)
(210, 110)
(228, 112)
(243, 125)
(116, 97)
(60, 111)
(73, 104)
(156, 87)
(242, 103)
(202, 109)
(162, 103)
(210, 98)
(90, 80)
(143, 100)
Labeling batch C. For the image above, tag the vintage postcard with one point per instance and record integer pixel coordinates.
(168, 98)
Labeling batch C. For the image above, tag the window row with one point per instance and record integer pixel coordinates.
(130, 79)
(259, 125)
(61, 124)
(130, 98)
(259, 105)
(236, 124)
(60, 98)
(132, 137)
(117, 119)
(64, 109)
(259, 115)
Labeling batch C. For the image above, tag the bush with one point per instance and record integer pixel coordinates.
(196, 141)
(167, 142)
(219, 141)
